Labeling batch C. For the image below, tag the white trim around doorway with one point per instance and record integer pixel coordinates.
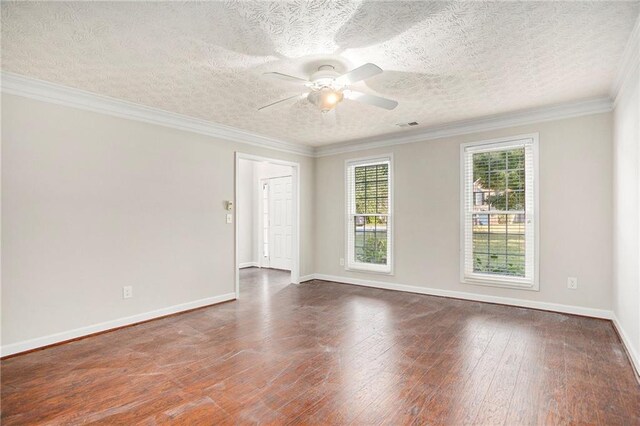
(295, 178)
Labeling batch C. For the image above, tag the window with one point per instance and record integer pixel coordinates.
(369, 210)
(499, 213)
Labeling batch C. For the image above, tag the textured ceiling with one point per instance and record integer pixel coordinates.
(443, 61)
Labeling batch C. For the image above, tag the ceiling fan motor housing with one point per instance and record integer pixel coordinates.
(324, 77)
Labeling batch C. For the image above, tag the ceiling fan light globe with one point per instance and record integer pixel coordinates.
(329, 99)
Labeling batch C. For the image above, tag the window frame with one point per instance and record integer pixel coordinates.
(506, 281)
(350, 264)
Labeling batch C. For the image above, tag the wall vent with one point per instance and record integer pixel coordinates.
(411, 124)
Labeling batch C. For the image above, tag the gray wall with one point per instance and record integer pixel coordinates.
(575, 212)
(91, 203)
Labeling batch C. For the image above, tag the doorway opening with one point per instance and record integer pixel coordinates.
(266, 216)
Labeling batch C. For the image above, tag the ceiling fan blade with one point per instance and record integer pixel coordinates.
(359, 74)
(282, 100)
(285, 77)
(370, 99)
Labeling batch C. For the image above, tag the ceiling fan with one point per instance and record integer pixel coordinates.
(327, 88)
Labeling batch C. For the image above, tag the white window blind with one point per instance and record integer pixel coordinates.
(499, 213)
(369, 214)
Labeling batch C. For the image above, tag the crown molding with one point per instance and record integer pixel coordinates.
(629, 63)
(15, 84)
(19, 85)
(500, 121)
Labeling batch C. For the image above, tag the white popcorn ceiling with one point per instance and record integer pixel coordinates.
(443, 61)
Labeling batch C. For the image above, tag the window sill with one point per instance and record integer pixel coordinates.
(501, 283)
(368, 270)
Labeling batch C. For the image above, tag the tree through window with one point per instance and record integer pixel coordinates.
(368, 204)
(499, 226)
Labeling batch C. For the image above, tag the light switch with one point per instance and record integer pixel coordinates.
(229, 218)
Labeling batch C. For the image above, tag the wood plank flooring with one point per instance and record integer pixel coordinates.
(327, 353)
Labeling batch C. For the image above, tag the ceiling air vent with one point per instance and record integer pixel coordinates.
(411, 124)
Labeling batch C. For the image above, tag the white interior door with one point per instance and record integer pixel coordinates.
(280, 223)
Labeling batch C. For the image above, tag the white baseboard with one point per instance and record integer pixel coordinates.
(555, 307)
(307, 277)
(248, 265)
(39, 342)
(631, 351)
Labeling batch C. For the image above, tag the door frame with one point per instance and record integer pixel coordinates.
(261, 224)
(295, 181)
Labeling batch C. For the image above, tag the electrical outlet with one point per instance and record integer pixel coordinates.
(572, 283)
(127, 292)
(341, 261)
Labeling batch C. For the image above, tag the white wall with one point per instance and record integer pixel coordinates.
(575, 213)
(246, 214)
(92, 202)
(263, 170)
(251, 172)
(627, 213)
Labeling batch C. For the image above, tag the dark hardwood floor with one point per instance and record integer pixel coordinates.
(326, 353)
